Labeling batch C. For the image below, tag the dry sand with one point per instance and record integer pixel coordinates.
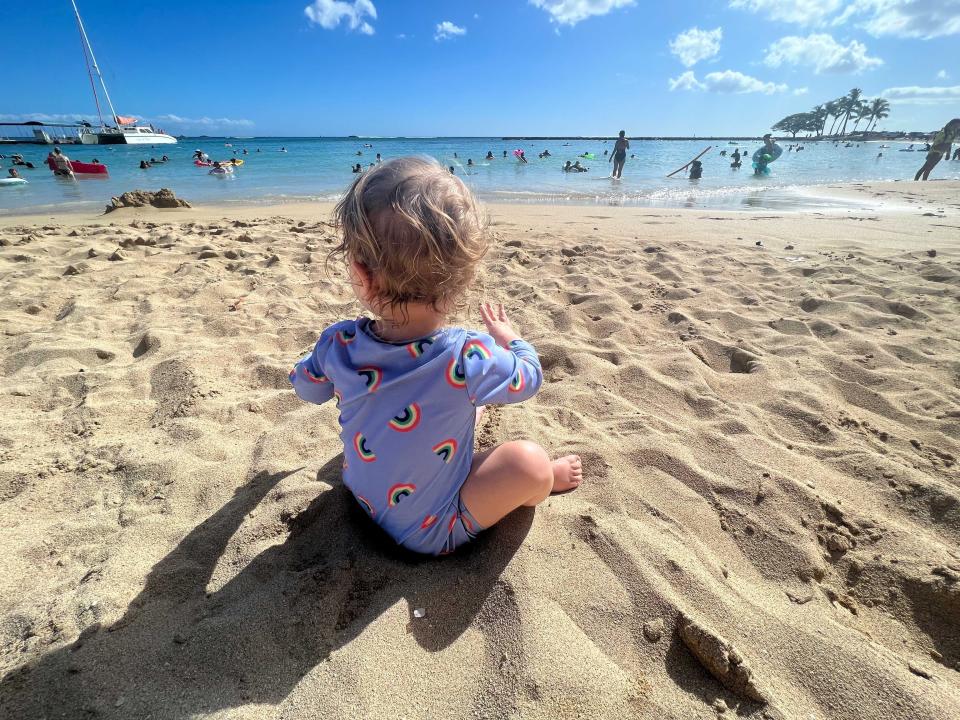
(770, 437)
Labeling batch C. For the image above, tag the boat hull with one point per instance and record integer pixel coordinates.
(113, 138)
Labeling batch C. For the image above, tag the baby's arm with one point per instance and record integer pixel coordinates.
(307, 378)
(506, 370)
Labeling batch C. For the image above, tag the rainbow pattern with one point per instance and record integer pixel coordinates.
(455, 375)
(428, 521)
(373, 376)
(407, 419)
(475, 349)
(399, 491)
(345, 337)
(446, 449)
(319, 379)
(517, 383)
(418, 347)
(360, 445)
(366, 504)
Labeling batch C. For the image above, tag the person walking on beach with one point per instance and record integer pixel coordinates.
(410, 387)
(619, 156)
(941, 145)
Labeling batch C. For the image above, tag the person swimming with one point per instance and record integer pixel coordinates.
(736, 164)
(568, 166)
(469, 162)
(696, 170)
(144, 165)
(489, 155)
(577, 167)
(356, 168)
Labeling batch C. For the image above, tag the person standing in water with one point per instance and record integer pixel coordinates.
(619, 156)
(942, 142)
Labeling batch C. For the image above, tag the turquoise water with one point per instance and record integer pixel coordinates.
(319, 169)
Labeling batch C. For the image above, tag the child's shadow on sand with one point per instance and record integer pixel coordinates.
(180, 650)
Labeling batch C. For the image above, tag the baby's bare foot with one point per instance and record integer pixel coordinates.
(567, 473)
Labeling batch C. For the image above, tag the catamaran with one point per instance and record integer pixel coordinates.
(126, 130)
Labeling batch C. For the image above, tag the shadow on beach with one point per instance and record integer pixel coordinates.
(180, 650)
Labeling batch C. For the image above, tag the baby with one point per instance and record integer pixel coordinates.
(408, 388)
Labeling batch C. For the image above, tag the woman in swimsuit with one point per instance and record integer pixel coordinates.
(619, 156)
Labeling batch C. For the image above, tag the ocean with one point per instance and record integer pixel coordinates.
(320, 169)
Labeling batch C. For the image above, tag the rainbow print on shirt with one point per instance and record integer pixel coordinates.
(319, 379)
(446, 449)
(455, 375)
(407, 419)
(372, 376)
(474, 349)
(419, 347)
(366, 504)
(399, 491)
(345, 336)
(360, 445)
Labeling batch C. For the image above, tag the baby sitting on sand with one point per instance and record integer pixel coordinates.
(408, 388)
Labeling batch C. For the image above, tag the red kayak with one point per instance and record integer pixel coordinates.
(201, 163)
(81, 168)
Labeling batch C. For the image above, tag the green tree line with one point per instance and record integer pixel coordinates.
(848, 107)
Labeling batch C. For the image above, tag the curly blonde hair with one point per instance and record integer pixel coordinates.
(418, 230)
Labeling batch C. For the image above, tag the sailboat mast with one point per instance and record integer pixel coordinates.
(96, 67)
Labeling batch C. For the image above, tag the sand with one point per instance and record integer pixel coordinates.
(768, 528)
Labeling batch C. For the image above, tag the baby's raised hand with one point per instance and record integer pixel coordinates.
(498, 325)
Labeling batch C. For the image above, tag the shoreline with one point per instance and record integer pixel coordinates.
(827, 198)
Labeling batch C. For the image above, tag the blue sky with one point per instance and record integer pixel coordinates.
(472, 67)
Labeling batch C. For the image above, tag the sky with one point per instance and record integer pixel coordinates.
(483, 67)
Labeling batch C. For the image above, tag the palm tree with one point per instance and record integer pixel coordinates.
(851, 103)
(879, 109)
(836, 110)
(862, 111)
(819, 119)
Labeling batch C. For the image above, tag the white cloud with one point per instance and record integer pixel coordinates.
(801, 91)
(901, 18)
(447, 30)
(686, 81)
(328, 14)
(570, 12)
(943, 75)
(914, 95)
(821, 52)
(908, 18)
(802, 12)
(695, 45)
(726, 82)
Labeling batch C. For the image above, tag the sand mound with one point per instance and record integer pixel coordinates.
(768, 527)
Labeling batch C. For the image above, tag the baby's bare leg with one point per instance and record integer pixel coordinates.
(514, 474)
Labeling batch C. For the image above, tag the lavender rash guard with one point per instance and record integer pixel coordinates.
(407, 414)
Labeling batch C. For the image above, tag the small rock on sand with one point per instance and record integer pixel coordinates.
(653, 630)
(720, 659)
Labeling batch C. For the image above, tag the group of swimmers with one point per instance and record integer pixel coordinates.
(147, 164)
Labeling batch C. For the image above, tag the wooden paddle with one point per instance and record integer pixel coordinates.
(684, 167)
